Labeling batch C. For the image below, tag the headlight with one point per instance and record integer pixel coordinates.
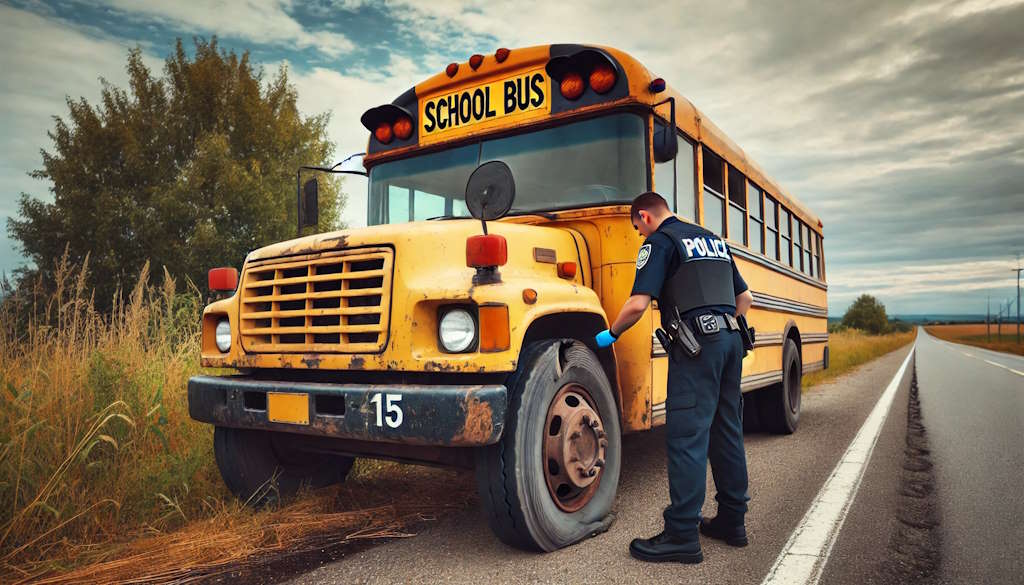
(457, 330)
(223, 335)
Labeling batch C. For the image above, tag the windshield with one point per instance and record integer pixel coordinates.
(593, 161)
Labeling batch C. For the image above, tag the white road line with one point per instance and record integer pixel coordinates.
(1004, 367)
(803, 558)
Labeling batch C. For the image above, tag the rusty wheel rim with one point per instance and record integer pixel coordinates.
(574, 448)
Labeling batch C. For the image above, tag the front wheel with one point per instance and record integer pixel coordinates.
(551, 479)
(259, 468)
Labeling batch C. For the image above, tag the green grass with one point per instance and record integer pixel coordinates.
(851, 348)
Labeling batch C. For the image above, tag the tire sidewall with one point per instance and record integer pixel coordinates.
(791, 359)
(550, 527)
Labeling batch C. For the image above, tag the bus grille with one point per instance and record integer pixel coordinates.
(331, 302)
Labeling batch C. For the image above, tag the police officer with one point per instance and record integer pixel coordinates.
(688, 267)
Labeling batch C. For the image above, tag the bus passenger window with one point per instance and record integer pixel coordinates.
(785, 244)
(686, 181)
(771, 224)
(714, 200)
(737, 206)
(755, 225)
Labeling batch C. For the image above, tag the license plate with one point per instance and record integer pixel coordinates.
(524, 95)
(288, 408)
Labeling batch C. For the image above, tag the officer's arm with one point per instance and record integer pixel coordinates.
(630, 313)
(743, 302)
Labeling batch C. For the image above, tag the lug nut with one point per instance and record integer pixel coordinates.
(599, 463)
(603, 442)
(601, 434)
(594, 424)
(586, 419)
(592, 472)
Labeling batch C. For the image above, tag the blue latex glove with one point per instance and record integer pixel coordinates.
(605, 338)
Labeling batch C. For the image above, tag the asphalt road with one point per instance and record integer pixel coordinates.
(786, 475)
(972, 403)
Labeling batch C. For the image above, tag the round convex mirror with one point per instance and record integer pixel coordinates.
(490, 191)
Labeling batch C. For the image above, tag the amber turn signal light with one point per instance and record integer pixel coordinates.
(222, 279)
(486, 250)
(402, 128)
(529, 296)
(383, 133)
(572, 86)
(602, 78)
(494, 334)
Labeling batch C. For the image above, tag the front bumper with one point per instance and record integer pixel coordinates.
(441, 415)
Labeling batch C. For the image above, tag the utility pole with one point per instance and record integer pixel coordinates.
(1017, 270)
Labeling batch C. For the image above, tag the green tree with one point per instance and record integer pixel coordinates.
(867, 314)
(190, 170)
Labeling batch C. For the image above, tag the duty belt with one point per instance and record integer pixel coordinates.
(710, 323)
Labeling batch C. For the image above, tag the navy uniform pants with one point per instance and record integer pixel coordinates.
(704, 422)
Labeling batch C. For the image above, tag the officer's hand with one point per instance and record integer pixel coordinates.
(605, 338)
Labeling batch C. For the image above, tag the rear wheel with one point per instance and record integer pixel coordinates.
(779, 404)
(258, 468)
(551, 479)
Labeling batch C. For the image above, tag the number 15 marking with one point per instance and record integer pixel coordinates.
(393, 416)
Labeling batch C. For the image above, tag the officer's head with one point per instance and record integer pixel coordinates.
(647, 212)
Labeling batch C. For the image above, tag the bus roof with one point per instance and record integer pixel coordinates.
(689, 119)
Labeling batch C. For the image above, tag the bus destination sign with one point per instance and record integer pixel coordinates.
(524, 95)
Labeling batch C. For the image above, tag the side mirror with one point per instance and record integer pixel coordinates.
(490, 191)
(309, 204)
(666, 144)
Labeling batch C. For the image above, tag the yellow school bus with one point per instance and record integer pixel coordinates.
(431, 336)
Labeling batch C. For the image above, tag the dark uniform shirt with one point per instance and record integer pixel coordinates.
(658, 259)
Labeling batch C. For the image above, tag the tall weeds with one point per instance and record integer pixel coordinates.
(95, 439)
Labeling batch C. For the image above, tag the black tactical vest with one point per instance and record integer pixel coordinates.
(704, 276)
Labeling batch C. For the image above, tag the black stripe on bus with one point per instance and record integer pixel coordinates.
(773, 303)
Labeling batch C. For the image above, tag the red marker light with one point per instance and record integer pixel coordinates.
(501, 54)
(486, 250)
(403, 128)
(567, 270)
(383, 133)
(475, 61)
(572, 86)
(657, 85)
(222, 279)
(452, 69)
(602, 78)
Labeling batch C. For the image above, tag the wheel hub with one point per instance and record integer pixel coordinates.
(574, 448)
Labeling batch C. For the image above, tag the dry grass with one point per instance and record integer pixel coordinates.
(974, 334)
(100, 462)
(851, 348)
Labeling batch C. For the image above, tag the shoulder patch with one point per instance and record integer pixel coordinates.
(643, 256)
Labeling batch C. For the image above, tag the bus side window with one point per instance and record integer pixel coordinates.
(785, 244)
(714, 200)
(685, 203)
(737, 206)
(771, 224)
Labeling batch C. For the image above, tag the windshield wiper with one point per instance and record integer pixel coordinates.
(443, 217)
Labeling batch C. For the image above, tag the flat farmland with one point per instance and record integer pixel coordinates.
(975, 334)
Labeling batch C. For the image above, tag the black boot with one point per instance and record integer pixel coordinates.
(733, 533)
(666, 547)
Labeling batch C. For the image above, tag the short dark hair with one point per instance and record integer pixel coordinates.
(648, 201)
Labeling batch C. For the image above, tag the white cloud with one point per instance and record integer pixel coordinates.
(261, 22)
(43, 61)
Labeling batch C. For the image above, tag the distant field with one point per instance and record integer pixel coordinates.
(851, 348)
(974, 334)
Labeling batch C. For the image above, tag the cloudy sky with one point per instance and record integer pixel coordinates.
(900, 123)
